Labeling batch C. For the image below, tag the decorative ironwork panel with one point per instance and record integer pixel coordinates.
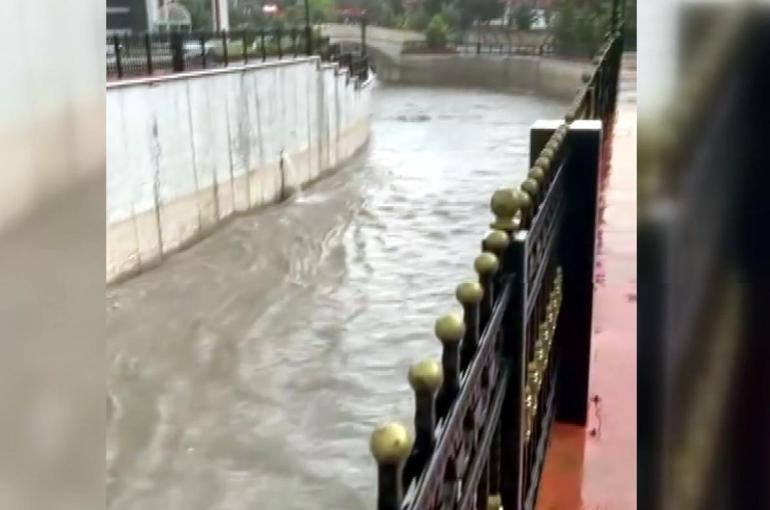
(442, 479)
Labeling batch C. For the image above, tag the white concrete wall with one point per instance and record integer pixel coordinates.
(546, 76)
(186, 152)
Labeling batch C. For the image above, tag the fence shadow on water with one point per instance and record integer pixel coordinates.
(517, 358)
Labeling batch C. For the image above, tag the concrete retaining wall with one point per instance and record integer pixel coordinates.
(545, 76)
(186, 152)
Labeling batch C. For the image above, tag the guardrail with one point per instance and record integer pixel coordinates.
(518, 356)
(466, 46)
(132, 56)
(358, 65)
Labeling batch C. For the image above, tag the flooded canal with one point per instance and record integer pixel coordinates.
(248, 371)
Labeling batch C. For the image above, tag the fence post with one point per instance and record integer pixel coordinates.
(116, 47)
(177, 52)
(279, 36)
(506, 459)
(486, 265)
(245, 46)
(390, 445)
(363, 35)
(512, 417)
(203, 51)
(469, 294)
(450, 329)
(478, 40)
(224, 47)
(576, 251)
(654, 254)
(148, 50)
(425, 378)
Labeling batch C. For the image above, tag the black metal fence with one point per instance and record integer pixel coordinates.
(518, 356)
(465, 45)
(133, 56)
(703, 216)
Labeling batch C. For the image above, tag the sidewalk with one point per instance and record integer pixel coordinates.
(595, 468)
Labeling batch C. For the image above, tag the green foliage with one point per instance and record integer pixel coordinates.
(295, 15)
(320, 10)
(200, 13)
(452, 16)
(417, 20)
(579, 29)
(437, 32)
(381, 14)
(523, 17)
(479, 10)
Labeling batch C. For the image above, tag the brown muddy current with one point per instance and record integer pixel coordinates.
(248, 371)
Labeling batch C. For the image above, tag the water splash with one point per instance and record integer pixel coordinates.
(292, 187)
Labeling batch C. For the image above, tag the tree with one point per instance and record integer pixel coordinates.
(452, 16)
(479, 10)
(524, 16)
(437, 32)
(417, 20)
(246, 14)
(579, 29)
(200, 13)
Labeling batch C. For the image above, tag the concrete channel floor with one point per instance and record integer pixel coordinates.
(594, 468)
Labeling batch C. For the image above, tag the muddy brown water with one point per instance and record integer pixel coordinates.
(248, 371)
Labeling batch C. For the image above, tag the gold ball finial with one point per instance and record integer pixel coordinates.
(450, 328)
(543, 163)
(390, 443)
(469, 293)
(494, 502)
(526, 200)
(531, 187)
(537, 173)
(553, 144)
(496, 241)
(427, 375)
(504, 206)
(486, 264)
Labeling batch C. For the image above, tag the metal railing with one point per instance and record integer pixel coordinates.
(357, 65)
(517, 358)
(702, 207)
(133, 56)
(483, 46)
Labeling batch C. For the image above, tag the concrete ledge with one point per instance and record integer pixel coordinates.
(185, 156)
(544, 76)
(142, 241)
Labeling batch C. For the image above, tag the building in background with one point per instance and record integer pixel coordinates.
(171, 16)
(128, 16)
(137, 16)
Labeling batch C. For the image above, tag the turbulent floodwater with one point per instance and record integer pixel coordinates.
(249, 371)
